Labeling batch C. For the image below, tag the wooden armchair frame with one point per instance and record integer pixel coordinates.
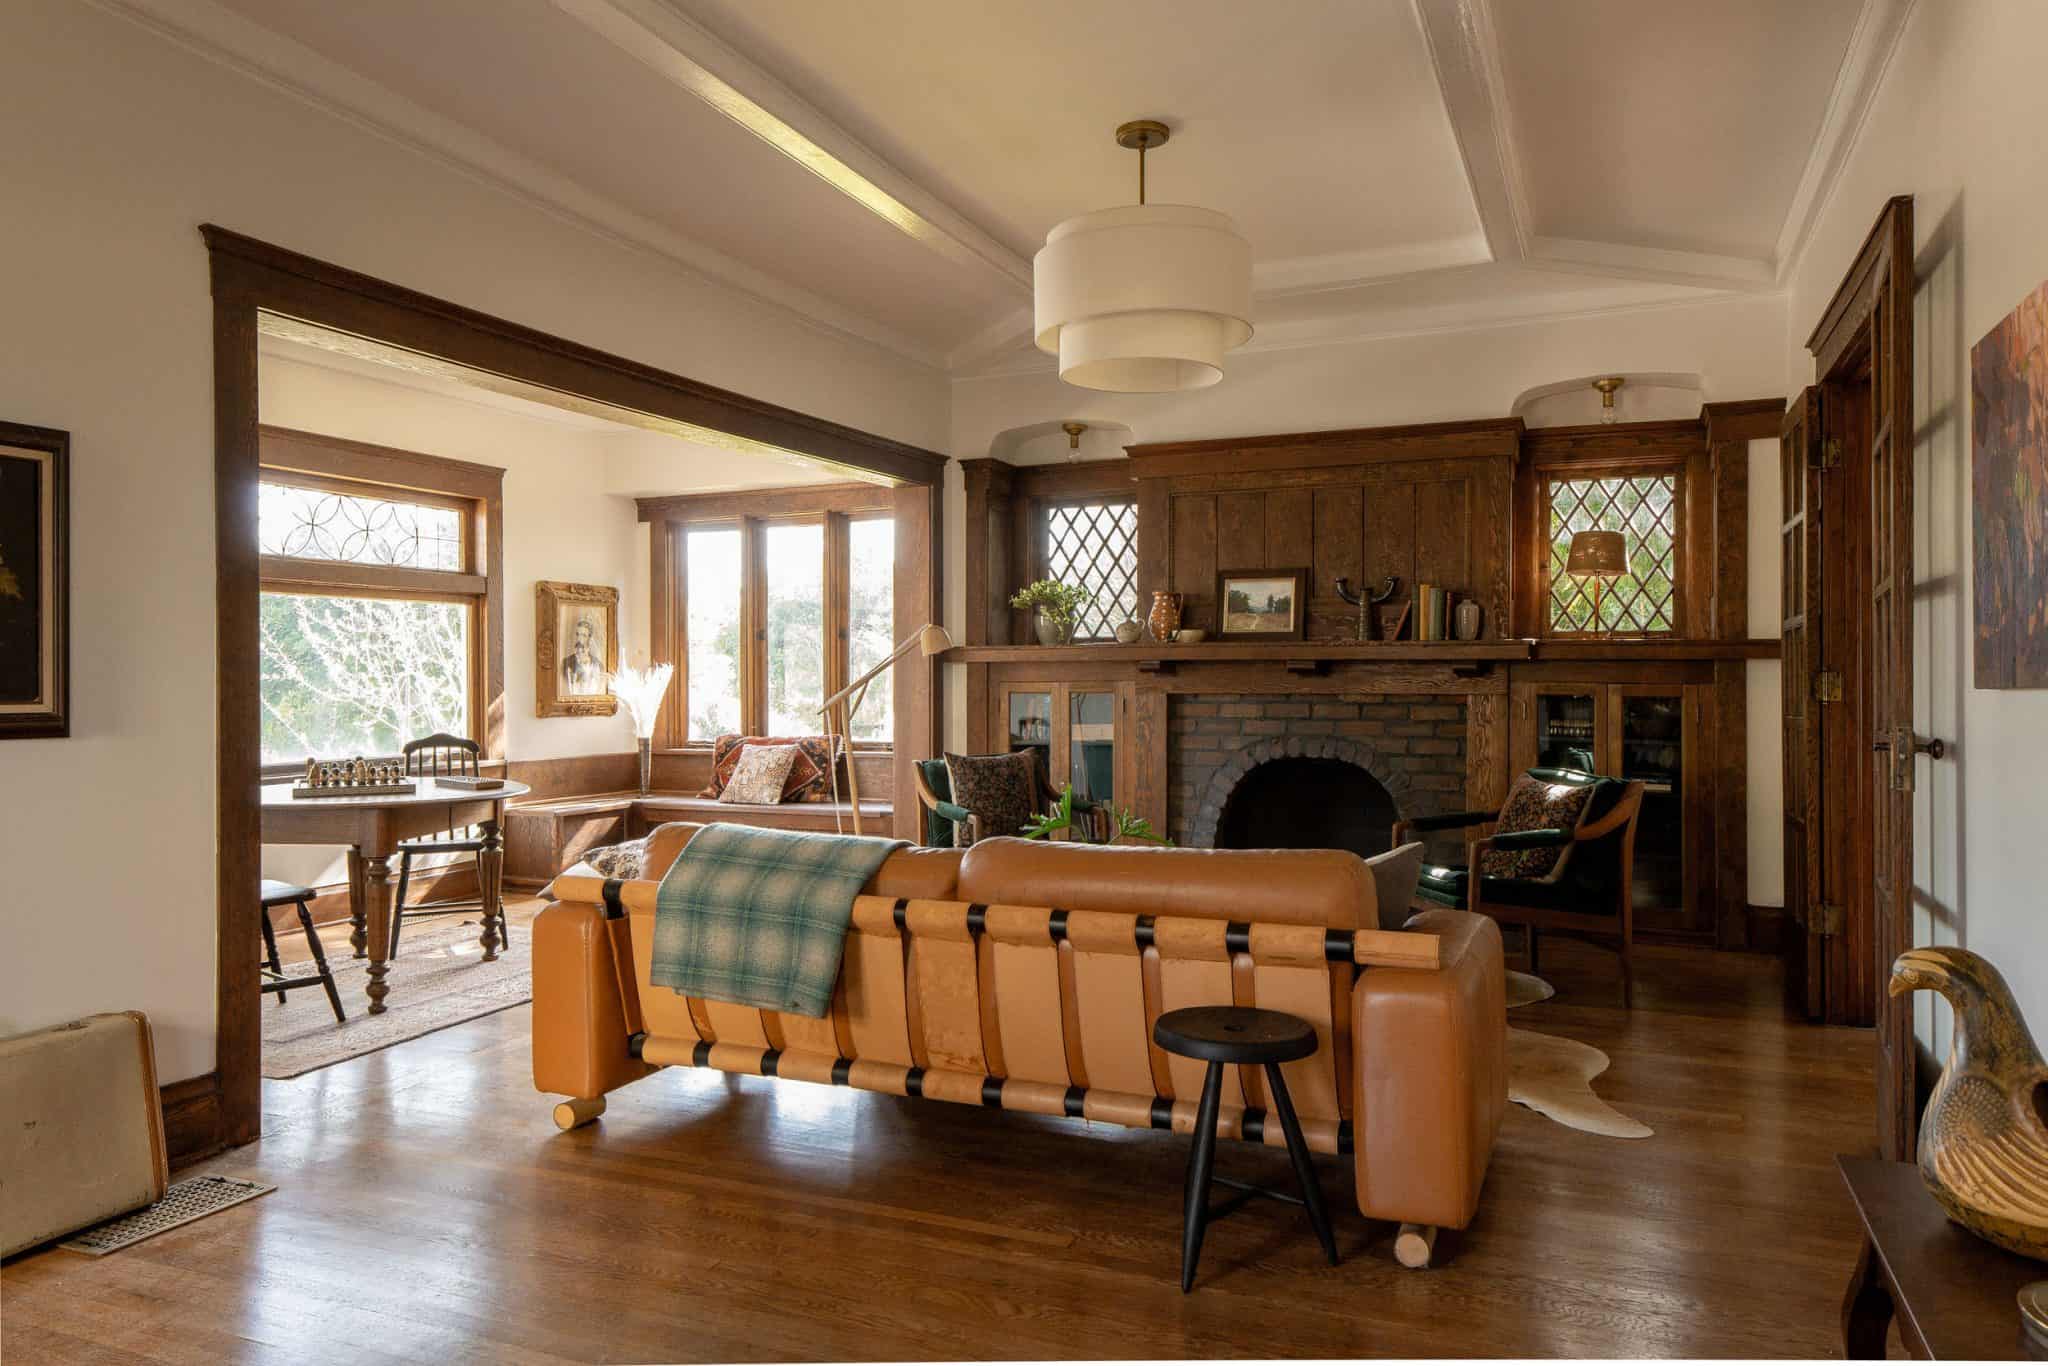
(1615, 929)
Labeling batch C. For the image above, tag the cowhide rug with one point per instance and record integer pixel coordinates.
(1553, 1076)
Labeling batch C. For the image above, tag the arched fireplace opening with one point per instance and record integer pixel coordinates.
(1308, 803)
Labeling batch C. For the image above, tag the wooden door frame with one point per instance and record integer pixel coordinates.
(248, 278)
(1845, 350)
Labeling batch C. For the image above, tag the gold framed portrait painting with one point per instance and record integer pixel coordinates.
(576, 648)
(35, 597)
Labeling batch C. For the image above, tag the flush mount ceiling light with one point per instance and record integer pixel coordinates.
(1146, 298)
(1607, 385)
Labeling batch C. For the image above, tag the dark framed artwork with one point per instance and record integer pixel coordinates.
(1261, 604)
(2009, 497)
(35, 587)
(576, 648)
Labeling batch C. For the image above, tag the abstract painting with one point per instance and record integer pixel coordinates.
(2009, 474)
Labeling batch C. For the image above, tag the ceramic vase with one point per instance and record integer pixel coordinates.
(646, 764)
(1051, 632)
(1466, 622)
(1164, 618)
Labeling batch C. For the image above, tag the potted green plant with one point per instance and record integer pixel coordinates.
(1071, 814)
(1058, 606)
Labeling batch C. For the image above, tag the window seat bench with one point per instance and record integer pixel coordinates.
(544, 836)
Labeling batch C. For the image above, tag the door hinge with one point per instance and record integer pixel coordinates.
(1827, 685)
(1827, 919)
(1828, 454)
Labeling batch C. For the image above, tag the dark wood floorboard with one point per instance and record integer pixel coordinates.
(428, 1210)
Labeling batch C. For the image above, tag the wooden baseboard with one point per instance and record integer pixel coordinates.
(193, 1123)
(1766, 929)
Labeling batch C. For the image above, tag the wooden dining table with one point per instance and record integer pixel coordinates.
(372, 827)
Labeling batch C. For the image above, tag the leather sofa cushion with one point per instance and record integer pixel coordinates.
(1327, 887)
(918, 874)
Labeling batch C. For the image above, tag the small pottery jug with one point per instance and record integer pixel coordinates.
(1127, 632)
(1467, 622)
(1051, 632)
(1164, 619)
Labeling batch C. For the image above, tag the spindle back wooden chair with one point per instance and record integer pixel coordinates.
(439, 755)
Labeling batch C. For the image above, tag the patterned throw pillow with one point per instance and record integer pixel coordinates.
(758, 778)
(1002, 789)
(808, 774)
(628, 860)
(1535, 805)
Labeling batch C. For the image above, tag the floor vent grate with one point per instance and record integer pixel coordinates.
(182, 1203)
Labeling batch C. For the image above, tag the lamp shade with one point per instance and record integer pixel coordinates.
(932, 640)
(1597, 555)
(1143, 299)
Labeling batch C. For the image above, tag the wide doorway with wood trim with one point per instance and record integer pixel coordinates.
(1850, 752)
(322, 531)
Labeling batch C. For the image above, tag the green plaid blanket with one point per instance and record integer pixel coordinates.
(758, 917)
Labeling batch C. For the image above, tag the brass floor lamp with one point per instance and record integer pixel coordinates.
(840, 706)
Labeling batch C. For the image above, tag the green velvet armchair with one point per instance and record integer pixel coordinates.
(935, 797)
(1589, 896)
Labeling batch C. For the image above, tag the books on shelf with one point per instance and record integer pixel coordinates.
(1432, 612)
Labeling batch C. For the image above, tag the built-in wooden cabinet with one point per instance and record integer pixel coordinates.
(1078, 730)
(1653, 730)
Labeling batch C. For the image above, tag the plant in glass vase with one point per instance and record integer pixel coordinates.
(1058, 606)
(641, 690)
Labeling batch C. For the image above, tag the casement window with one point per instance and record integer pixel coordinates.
(769, 615)
(1647, 506)
(1094, 543)
(378, 623)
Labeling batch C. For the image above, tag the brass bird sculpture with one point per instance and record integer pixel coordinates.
(1984, 1136)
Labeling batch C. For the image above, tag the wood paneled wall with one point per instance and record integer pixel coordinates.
(1427, 504)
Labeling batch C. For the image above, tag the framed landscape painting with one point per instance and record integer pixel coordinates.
(1261, 604)
(576, 640)
(2009, 497)
(35, 601)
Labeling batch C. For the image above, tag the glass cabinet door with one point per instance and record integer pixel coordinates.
(1567, 730)
(1650, 748)
(1091, 744)
(1030, 725)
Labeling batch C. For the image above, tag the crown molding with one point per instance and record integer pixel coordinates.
(232, 40)
(1880, 27)
(1347, 270)
(1618, 261)
(685, 53)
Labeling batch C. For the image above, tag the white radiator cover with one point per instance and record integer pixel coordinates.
(81, 1127)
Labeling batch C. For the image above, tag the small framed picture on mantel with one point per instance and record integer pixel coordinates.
(1261, 604)
(35, 587)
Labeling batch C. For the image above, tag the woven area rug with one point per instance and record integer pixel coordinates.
(1554, 1076)
(438, 980)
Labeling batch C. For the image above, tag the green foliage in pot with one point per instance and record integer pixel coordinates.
(1124, 823)
(1058, 603)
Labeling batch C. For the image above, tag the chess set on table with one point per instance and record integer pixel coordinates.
(356, 777)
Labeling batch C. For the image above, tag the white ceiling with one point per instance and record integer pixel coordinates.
(888, 167)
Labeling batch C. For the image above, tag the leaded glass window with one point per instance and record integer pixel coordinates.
(1644, 508)
(1095, 545)
(358, 528)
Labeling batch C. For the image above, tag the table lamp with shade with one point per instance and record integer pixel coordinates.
(1601, 556)
(839, 708)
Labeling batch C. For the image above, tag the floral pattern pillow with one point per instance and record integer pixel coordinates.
(627, 860)
(809, 774)
(1535, 805)
(760, 775)
(1002, 789)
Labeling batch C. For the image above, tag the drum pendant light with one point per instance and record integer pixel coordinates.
(1146, 298)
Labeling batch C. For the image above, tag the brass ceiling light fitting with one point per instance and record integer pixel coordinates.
(1607, 385)
(1073, 431)
(1146, 298)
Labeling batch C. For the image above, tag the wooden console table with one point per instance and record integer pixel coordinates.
(372, 828)
(1955, 1295)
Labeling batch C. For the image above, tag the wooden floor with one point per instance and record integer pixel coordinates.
(428, 1210)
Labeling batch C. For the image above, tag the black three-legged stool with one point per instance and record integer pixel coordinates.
(285, 894)
(1223, 1036)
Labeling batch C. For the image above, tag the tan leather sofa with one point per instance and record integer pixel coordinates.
(1029, 975)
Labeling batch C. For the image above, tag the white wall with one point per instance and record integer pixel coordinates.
(115, 145)
(1957, 124)
(1731, 346)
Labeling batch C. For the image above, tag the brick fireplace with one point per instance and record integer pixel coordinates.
(1331, 770)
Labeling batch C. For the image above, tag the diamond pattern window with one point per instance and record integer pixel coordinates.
(1644, 508)
(1095, 545)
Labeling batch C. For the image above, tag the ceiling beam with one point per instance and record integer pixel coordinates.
(1463, 48)
(694, 59)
